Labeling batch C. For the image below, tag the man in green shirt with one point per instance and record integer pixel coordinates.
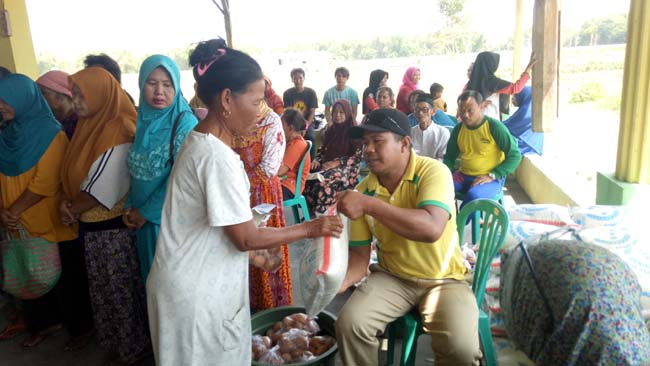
(487, 151)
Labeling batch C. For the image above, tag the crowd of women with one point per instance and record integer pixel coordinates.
(143, 213)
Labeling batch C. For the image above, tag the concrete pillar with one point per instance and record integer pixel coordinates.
(546, 40)
(632, 177)
(16, 50)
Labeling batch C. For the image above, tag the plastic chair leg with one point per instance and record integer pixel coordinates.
(296, 214)
(409, 340)
(486, 339)
(305, 210)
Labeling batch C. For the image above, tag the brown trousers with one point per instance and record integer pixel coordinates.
(448, 309)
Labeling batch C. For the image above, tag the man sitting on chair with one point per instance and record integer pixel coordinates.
(487, 151)
(407, 204)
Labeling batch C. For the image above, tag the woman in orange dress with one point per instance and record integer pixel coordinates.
(262, 154)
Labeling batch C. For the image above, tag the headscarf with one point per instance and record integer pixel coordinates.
(149, 153)
(154, 126)
(111, 123)
(376, 77)
(272, 99)
(407, 79)
(520, 124)
(27, 137)
(56, 80)
(483, 79)
(336, 140)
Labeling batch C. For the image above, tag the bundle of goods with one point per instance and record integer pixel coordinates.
(270, 259)
(294, 339)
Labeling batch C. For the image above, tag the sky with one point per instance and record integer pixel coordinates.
(146, 26)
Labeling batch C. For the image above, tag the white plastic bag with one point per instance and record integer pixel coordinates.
(323, 266)
(270, 259)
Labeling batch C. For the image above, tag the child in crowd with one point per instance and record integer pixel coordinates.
(293, 124)
(436, 91)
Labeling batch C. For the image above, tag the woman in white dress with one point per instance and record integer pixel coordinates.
(197, 289)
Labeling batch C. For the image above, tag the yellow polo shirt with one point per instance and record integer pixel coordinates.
(426, 182)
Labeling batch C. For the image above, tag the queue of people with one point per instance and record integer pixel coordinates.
(148, 208)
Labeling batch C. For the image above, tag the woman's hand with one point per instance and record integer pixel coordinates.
(331, 164)
(315, 165)
(324, 226)
(67, 217)
(133, 219)
(9, 220)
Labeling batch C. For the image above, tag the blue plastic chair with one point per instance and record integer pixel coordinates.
(493, 235)
(299, 200)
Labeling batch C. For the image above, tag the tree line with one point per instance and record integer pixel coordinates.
(453, 38)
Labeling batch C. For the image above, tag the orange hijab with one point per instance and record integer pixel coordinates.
(111, 122)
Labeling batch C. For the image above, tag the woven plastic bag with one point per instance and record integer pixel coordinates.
(270, 259)
(31, 267)
(323, 266)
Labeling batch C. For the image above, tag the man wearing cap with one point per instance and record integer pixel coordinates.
(487, 151)
(57, 92)
(429, 139)
(406, 204)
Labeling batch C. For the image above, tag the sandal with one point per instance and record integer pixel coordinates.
(36, 339)
(78, 342)
(12, 330)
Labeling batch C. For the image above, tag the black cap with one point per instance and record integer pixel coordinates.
(383, 120)
(427, 98)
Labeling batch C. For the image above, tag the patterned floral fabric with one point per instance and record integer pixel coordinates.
(150, 166)
(116, 291)
(595, 300)
(321, 195)
(262, 154)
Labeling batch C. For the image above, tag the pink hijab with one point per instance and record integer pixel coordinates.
(408, 76)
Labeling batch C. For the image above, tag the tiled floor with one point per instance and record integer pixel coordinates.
(50, 352)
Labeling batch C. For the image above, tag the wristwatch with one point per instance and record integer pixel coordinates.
(491, 175)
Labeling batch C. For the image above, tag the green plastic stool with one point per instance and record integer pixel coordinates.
(493, 235)
(299, 200)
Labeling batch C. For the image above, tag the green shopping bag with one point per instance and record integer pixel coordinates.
(31, 267)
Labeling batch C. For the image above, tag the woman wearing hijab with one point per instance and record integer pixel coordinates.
(272, 99)
(32, 147)
(409, 84)
(262, 153)
(197, 290)
(378, 79)
(520, 124)
(163, 115)
(77, 310)
(338, 159)
(490, 86)
(95, 180)
(58, 94)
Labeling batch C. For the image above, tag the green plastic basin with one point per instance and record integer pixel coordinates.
(262, 321)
